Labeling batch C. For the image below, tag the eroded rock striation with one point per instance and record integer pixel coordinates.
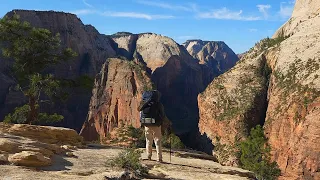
(116, 96)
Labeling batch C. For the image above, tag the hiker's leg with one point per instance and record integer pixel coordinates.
(149, 141)
(157, 141)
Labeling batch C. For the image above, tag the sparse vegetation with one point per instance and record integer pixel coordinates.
(129, 159)
(270, 42)
(255, 155)
(289, 84)
(139, 70)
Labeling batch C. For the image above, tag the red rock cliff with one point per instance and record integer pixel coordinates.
(116, 97)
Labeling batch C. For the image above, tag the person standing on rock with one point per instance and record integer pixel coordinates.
(154, 121)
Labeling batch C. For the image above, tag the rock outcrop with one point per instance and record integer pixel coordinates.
(292, 104)
(116, 96)
(215, 54)
(293, 116)
(234, 103)
(303, 12)
(30, 159)
(28, 145)
(92, 48)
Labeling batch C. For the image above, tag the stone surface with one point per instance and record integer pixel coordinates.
(45, 134)
(3, 158)
(30, 159)
(91, 164)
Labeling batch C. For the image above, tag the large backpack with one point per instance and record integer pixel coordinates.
(149, 111)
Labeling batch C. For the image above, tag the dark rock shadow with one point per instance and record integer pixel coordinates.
(59, 163)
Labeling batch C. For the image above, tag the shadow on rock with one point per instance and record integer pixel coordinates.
(59, 163)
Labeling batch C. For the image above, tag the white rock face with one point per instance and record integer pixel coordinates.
(306, 8)
(304, 13)
(156, 49)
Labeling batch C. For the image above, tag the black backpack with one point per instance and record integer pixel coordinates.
(149, 111)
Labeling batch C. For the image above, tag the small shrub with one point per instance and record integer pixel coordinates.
(20, 114)
(138, 135)
(255, 155)
(129, 159)
(175, 141)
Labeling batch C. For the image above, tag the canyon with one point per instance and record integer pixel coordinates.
(212, 98)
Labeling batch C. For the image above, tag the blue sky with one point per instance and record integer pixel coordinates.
(240, 23)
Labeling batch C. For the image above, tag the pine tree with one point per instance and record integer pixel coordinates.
(255, 155)
(32, 50)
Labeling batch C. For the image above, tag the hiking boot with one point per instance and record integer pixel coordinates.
(149, 158)
(160, 161)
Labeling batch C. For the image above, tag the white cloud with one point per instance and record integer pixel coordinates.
(83, 12)
(227, 14)
(136, 15)
(87, 4)
(253, 30)
(263, 8)
(122, 14)
(189, 7)
(286, 9)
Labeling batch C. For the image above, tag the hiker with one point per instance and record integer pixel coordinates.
(153, 118)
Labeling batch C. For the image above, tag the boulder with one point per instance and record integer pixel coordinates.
(30, 159)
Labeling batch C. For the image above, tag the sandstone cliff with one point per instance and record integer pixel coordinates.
(215, 54)
(292, 115)
(92, 49)
(234, 103)
(116, 96)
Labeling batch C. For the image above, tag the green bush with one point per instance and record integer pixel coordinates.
(255, 155)
(20, 114)
(129, 159)
(138, 135)
(175, 141)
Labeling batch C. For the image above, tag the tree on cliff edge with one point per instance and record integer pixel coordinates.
(32, 50)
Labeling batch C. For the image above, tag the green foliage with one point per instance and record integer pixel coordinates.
(19, 115)
(175, 141)
(270, 42)
(86, 82)
(255, 155)
(129, 160)
(45, 118)
(138, 135)
(32, 51)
